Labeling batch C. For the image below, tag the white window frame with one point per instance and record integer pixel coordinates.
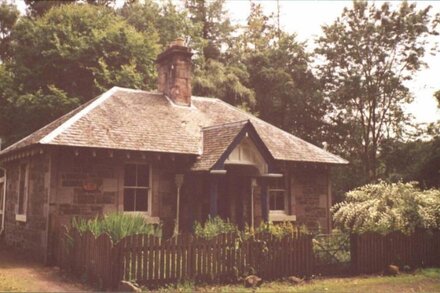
(149, 189)
(21, 217)
(276, 190)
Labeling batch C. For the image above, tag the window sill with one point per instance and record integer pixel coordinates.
(281, 217)
(20, 218)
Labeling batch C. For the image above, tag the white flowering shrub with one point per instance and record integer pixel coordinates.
(387, 207)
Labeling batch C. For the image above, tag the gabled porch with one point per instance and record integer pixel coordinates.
(236, 178)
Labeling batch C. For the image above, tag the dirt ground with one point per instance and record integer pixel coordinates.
(18, 272)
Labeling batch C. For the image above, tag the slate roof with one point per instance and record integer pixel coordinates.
(213, 146)
(148, 121)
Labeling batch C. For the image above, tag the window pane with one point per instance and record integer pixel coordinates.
(143, 175)
(272, 201)
(280, 202)
(276, 201)
(130, 175)
(129, 194)
(142, 200)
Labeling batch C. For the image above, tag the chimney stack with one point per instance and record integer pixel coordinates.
(174, 69)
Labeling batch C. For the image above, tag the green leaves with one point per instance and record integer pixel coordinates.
(117, 226)
(369, 53)
(385, 207)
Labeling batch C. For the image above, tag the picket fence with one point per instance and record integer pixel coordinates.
(371, 252)
(152, 262)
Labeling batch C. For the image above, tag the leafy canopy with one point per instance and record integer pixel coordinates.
(83, 50)
(368, 53)
(387, 207)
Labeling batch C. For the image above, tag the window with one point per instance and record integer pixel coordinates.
(137, 183)
(23, 191)
(277, 195)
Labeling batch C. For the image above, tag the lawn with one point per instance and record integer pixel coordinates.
(426, 280)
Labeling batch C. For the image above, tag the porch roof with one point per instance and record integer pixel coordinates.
(220, 140)
(148, 121)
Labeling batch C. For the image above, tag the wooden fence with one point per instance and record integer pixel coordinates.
(151, 261)
(371, 253)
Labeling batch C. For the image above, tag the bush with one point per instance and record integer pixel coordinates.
(279, 230)
(386, 207)
(213, 227)
(117, 225)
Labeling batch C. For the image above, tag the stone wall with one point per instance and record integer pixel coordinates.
(31, 233)
(105, 177)
(311, 197)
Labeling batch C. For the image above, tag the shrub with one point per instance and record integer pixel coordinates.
(279, 231)
(117, 225)
(213, 227)
(386, 207)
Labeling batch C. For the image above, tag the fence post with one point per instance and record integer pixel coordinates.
(116, 265)
(191, 257)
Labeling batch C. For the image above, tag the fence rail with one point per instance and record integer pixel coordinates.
(371, 252)
(151, 261)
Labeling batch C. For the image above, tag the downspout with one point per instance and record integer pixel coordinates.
(4, 201)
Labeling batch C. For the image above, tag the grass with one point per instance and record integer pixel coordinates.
(426, 280)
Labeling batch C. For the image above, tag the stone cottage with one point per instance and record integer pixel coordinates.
(160, 154)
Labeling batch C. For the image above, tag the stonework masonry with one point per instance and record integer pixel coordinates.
(30, 234)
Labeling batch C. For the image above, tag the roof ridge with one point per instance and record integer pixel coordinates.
(67, 124)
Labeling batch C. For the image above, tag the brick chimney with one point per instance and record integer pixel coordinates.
(174, 68)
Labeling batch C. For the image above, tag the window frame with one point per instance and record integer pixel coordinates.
(21, 216)
(149, 188)
(274, 189)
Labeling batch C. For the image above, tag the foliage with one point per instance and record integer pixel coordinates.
(214, 23)
(65, 57)
(279, 230)
(215, 79)
(411, 161)
(387, 207)
(117, 225)
(333, 248)
(8, 17)
(213, 227)
(368, 54)
(86, 50)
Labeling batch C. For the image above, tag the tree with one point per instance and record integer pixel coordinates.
(66, 57)
(386, 207)
(81, 50)
(8, 17)
(37, 8)
(411, 161)
(165, 22)
(367, 55)
(437, 96)
(287, 93)
(216, 27)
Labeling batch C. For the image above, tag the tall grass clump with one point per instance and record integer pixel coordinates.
(213, 227)
(117, 225)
